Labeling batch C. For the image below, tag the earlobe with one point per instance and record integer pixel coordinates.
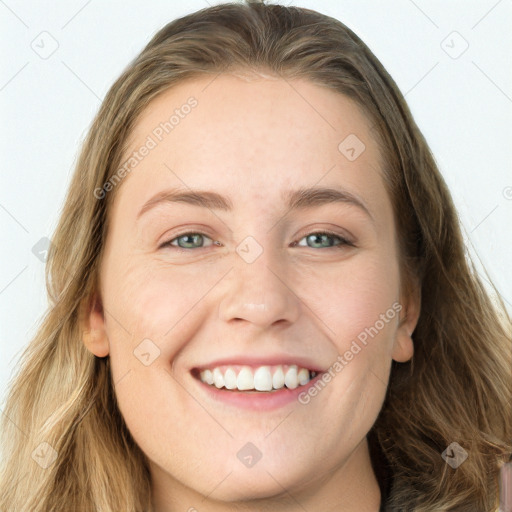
(403, 348)
(94, 334)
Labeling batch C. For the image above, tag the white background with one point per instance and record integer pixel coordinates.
(463, 106)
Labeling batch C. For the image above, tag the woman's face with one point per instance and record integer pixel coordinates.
(246, 284)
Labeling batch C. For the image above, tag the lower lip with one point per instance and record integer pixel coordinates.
(257, 400)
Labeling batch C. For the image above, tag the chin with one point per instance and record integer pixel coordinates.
(251, 484)
(247, 489)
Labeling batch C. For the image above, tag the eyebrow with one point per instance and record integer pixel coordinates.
(300, 199)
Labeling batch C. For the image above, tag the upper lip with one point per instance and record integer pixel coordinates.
(245, 360)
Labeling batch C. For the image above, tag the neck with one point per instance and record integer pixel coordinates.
(351, 487)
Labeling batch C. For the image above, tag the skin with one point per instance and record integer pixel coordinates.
(251, 140)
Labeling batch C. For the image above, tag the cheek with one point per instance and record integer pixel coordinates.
(159, 302)
(355, 296)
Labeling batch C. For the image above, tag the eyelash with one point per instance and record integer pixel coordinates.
(343, 241)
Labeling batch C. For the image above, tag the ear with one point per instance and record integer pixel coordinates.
(94, 334)
(403, 348)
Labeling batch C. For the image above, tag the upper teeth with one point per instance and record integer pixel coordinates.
(262, 378)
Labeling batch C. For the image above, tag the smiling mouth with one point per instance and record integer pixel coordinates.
(255, 380)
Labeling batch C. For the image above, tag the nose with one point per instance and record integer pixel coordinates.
(259, 293)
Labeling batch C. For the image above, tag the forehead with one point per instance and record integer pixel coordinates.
(254, 137)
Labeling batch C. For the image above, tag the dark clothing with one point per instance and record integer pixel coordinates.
(381, 469)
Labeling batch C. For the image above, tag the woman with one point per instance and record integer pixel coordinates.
(201, 351)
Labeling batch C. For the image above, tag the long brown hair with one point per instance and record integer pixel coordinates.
(457, 387)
